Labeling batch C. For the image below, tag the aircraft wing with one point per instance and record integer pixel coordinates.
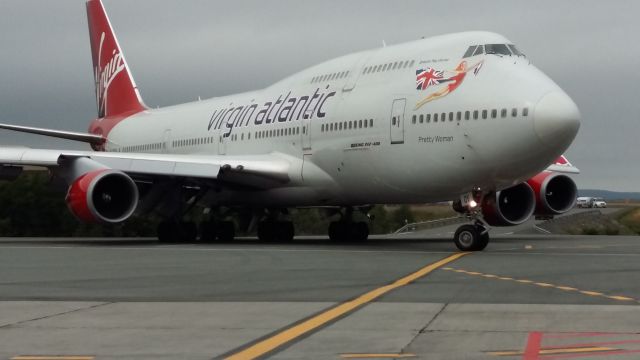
(261, 171)
(68, 135)
(562, 165)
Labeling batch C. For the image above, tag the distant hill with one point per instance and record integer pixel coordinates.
(609, 195)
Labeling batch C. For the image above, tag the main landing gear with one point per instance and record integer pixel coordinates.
(187, 231)
(346, 229)
(273, 229)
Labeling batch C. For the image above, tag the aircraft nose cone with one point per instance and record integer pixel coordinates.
(556, 119)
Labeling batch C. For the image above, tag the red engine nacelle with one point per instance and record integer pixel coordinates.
(555, 193)
(508, 207)
(102, 195)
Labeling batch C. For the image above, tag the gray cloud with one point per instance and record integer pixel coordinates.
(179, 50)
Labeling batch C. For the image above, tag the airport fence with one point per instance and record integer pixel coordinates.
(431, 224)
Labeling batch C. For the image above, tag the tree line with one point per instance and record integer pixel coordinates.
(33, 205)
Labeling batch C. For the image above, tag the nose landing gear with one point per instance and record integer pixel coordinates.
(471, 237)
(474, 236)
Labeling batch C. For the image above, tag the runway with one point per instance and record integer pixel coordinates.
(525, 297)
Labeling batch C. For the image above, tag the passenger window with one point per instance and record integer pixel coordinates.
(466, 115)
(360, 124)
(395, 65)
(350, 125)
(479, 50)
(503, 113)
(412, 62)
(413, 119)
(458, 116)
(494, 113)
(428, 118)
(421, 118)
(365, 124)
(470, 51)
(525, 112)
(514, 112)
(443, 117)
(384, 68)
(435, 117)
(393, 121)
(484, 114)
(450, 116)
(340, 126)
(475, 115)
(370, 122)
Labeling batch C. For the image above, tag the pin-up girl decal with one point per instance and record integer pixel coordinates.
(426, 78)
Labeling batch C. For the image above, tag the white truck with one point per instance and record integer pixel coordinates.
(591, 202)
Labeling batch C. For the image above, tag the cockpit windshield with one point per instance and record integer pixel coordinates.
(497, 49)
(515, 50)
(493, 49)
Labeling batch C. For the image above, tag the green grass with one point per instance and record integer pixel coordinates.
(631, 219)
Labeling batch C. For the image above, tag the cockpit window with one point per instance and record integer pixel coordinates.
(479, 50)
(497, 49)
(470, 51)
(515, 50)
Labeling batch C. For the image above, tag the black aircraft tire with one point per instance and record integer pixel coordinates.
(226, 231)
(468, 238)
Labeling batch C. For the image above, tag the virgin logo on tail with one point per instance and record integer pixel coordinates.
(105, 76)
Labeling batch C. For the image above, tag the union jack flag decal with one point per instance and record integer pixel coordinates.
(428, 77)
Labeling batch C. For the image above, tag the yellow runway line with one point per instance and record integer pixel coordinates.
(273, 342)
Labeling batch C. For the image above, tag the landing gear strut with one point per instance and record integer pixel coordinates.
(475, 236)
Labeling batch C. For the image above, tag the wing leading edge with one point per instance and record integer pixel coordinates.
(261, 171)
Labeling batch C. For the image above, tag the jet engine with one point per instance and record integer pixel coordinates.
(102, 195)
(555, 193)
(508, 207)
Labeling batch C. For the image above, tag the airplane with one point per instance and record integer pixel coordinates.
(462, 117)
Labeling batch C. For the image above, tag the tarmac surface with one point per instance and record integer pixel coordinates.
(525, 297)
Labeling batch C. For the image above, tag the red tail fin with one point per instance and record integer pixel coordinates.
(116, 92)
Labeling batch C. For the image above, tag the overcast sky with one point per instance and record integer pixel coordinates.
(180, 50)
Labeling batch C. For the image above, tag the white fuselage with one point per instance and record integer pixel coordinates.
(402, 155)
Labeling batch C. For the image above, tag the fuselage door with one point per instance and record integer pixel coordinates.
(222, 144)
(166, 142)
(397, 121)
(355, 72)
(306, 136)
